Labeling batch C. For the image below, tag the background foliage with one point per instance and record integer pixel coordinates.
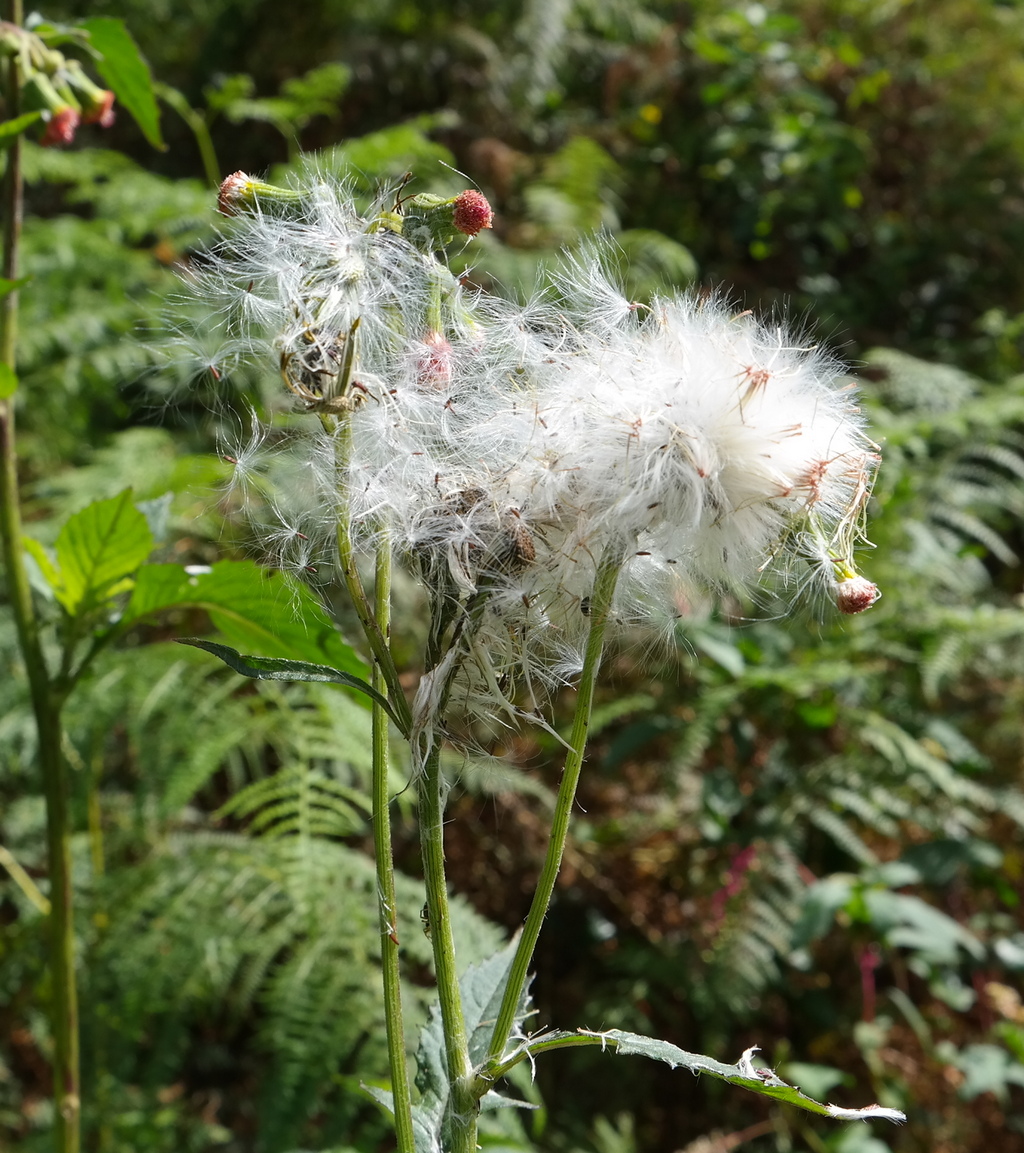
(794, 832)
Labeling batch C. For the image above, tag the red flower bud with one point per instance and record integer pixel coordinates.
(60, 128)
(471, 212)
(102, 111)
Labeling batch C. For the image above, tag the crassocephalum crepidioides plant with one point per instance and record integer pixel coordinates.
(548, 471)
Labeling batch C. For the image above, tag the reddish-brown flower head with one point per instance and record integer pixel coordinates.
(855, 594)
(101, 112)
(232, 194)
(471, 212)
(60, 128)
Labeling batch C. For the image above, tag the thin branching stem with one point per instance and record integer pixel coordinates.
(46, 702)
(401, 1097)
(600, 607)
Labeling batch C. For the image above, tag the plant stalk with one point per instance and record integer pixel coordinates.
(196, 121)
(463, 1105)
(46, 702)
(341, 432)
(401, 1097)
(600, 606)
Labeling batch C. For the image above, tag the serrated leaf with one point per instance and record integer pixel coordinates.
(127, 74)
(744, 1074)
(276, 669)
(426, 1129)
(98, 549)
(11, 129)
(8, 378)
(254, 609)
(481, 988)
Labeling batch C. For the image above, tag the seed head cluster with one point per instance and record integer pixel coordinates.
(504, 449)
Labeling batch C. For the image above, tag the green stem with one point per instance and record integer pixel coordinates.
(200, 130)
(401, 1097)
(341, 432)
(46, 703)
(600, 607)
(99, 1078)
(463, 1106)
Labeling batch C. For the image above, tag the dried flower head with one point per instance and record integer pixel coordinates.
(234, 195)
(855, 594)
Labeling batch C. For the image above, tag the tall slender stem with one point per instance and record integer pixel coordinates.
(46, 703)
(600, 606)
(401, 1097)
(463, 1106)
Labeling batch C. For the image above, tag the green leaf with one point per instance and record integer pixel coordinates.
(821, 903)
(98, 549)
(9, 286)
(911, 923)
(125, 71)
(10, 129)
(482, 987)
(157, 512)
(48, 579)
(276, 669)
(988, 1069)
(8, 379)
(816, 1079)
(744, 1074)
(254, 609)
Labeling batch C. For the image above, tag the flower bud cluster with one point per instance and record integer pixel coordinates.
(506, 449)
(56, 86)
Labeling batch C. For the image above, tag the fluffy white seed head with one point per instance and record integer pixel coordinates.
(504, 449)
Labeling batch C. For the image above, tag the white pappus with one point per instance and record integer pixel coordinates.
(505, 449)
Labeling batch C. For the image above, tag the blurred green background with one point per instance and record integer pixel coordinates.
(793, 832)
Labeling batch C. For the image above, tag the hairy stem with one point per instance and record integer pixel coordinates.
(341, 433)
(600, 606)
(46, 703)
(401, 1097)
(463, 1106)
